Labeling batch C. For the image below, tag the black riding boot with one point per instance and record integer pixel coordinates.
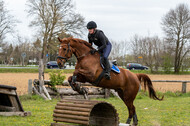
(107, 69)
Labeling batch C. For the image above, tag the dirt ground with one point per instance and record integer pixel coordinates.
(20, 80)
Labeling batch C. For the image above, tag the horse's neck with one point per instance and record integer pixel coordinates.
(80, 52)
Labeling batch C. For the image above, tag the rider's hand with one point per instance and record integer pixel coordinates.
(92, 51)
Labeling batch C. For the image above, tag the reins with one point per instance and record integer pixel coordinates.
(68, 50)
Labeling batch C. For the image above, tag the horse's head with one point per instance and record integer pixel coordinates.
(65, 52)
(68, 46)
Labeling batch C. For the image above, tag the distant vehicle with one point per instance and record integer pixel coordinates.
(136, 66)
(53, 64)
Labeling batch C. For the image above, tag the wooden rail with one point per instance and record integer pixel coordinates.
(184, 83)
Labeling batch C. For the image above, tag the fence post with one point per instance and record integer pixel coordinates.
(184, 85)
(30, 86)
(107, 93)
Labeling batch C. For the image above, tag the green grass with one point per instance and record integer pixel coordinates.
(12, 70)
(32, 70)
(160, 72)
(174, 110)
(19, 66)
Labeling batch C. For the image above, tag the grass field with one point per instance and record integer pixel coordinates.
(27, 70)
(173, 111)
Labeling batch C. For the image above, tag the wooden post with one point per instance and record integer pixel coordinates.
(107, 93)
(41, 70)
(30, 86)
(184, 85)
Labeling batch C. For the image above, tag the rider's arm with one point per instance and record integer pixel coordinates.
(102, 40)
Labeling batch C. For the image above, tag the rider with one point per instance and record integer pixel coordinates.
(104, 46)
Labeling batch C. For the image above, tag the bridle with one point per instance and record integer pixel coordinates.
(68, 50)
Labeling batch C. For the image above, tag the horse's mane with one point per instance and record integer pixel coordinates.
(84, 42)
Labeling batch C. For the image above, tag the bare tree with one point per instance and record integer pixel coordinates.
(147, 50)
(52, 17)
(6, 21)
(135, 47)
(176, 25)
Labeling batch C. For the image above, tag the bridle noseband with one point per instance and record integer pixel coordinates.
(68, 50)
(65, 58)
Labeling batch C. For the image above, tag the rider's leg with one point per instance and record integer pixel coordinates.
(106, 53)
(107, 69)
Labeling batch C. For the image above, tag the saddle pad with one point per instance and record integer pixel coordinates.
(113, 67)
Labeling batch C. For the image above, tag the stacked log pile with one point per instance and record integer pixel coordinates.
(65, 91)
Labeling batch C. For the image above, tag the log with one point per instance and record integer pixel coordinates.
(70, 121)
(46, 92)
(65, 83)
(71, 112)
(61, 124)
(75, 105)
(15, 113)
(72, 108)
(70, 91)
(81, 96)
(114, 93)
(36, 92)
(71, 116)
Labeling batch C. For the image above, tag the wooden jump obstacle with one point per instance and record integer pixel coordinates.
(10, 104)
(84, 112)
(65, 91)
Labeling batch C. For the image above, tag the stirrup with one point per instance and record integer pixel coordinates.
(107, 76)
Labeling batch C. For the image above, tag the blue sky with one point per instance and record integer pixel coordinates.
(119, 19)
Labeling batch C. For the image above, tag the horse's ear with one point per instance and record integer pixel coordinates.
(59, 39)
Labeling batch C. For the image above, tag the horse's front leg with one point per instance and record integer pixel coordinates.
(72, 81)
(76, 86)
(80, 75)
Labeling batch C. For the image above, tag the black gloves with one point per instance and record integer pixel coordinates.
(92, 51)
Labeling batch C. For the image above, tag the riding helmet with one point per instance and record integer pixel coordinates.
(91, 25)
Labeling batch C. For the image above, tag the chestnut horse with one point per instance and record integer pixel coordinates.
(88, 69)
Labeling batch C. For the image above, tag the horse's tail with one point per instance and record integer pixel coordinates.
(148, 82)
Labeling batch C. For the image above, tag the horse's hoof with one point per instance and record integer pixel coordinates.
(134, 124)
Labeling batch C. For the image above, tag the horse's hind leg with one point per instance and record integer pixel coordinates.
(132, 112)
(131, 109)
(128, 100)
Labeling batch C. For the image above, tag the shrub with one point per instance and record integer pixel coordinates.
(56, 78)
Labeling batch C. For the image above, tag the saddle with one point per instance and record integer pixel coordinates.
(113, 68)
(112, 65)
